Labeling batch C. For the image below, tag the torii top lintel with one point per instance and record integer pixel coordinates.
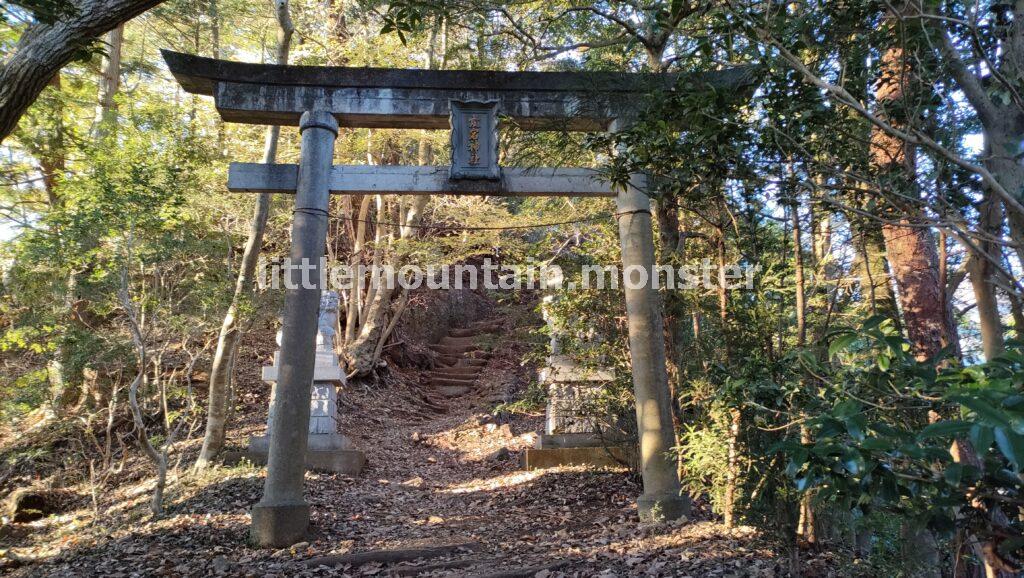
(404, 98)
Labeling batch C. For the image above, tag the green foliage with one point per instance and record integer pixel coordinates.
(870, 457)
(46, 11)
(530, 401)
(131, 208)
(704, 449)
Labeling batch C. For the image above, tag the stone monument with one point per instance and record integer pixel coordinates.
(327, 448)
(574, 434)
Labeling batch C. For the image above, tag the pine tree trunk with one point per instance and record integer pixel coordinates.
(110, 83)
(914, 264)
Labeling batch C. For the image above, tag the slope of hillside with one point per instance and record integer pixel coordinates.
(442, 495)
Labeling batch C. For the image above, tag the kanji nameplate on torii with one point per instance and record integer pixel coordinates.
(474, 140)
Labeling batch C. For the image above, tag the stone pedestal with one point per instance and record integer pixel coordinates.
(327, 449)
(572, 434)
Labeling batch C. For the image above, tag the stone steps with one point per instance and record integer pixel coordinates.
(463, 355)
(470, 358)
(473, 362)
(455, 349)
(459, 341)
(446, 375)
(453, 390)
(456, 370)
(436, 381)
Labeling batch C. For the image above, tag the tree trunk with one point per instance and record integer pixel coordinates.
(44, 49)
(982, 272)
(363, 353)
(732, 469)
(365, 343)
(110, 83)
(231, 329)
(798, 276)
(914, 263)
(353, 312)
(732, 474)
(805, 525)
(910, 247)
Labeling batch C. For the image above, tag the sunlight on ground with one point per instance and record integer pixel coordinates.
(489, 484)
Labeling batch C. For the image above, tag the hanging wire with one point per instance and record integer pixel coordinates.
(463, 228)
(597, 217)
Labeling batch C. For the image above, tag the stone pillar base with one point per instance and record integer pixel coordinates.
(576, 440)
(662, 508)
(598, 457)
(332, 453)
(279, 525)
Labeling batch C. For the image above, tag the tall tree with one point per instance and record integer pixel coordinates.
(910, 244)
(222, 370)
(370, 322)
(983, 255)
(912, 255)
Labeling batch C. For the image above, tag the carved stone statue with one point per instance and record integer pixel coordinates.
(327, 322)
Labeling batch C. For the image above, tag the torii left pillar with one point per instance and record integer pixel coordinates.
(281, 518)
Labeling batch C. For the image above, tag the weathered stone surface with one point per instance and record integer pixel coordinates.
(282, 515)
(326, 373)
(349, 462)
(279, 525)
(316, 442)
(647, 355)
(661, 507)
(537, 459)
(575, 432)
(474, 140)
(571, 393)
(326, 448)
(428, 180)
(390, 98)
(198, 75)
(562, 369)
(576, 440)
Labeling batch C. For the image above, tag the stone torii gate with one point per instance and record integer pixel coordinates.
(320, 99)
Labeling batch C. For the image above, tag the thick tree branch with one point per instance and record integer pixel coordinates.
(45, 48)
(969, 83)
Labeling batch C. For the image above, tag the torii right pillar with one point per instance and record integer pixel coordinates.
(662, 498)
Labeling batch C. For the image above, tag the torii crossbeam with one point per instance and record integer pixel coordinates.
(320, 99)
